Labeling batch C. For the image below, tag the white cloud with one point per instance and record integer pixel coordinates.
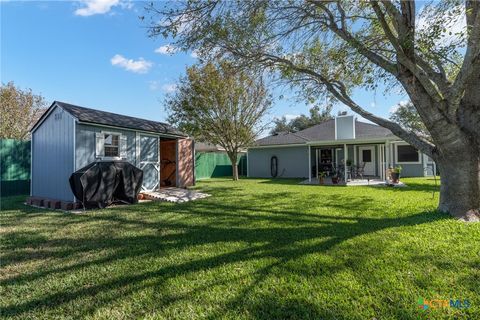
(169, 87)
(167, 49)
(153, 85)
(92, 7)
(194, 54)
(137, 66)
(395, 107)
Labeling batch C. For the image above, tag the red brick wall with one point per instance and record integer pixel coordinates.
(185, 163)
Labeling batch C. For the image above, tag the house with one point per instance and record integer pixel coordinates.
(68, 137)
(304, 153)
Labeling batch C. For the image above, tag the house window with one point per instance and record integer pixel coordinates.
(367, 155)
(407, 154)
(111, 145)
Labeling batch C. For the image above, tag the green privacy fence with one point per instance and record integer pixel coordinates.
(14, 167)
(217, 164)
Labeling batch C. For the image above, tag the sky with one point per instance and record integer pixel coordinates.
(96, 53)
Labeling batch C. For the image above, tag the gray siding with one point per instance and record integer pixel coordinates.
(292, 162)
(52, 156)
(85, 143)
(409, 170)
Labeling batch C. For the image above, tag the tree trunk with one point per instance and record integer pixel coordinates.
(460, 183)
(235, 171)
(233, 159)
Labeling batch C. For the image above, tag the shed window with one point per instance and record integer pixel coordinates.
(407, 154)
(111, 145)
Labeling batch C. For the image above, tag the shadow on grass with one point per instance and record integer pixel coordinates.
(270, 234)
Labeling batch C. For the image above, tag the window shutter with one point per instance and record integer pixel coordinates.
(123, 147)
(99, 144)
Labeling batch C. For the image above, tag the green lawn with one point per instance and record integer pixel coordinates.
(256, 249)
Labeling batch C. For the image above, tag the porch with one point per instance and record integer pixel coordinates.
(350, 163)
(374, 181)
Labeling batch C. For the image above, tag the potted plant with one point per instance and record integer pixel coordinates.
(395, 174)
(321, 178)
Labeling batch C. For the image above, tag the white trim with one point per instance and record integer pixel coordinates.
(309, 163)
(279, 146)
(47, 114)
(160, 165)
(317, 152)
(137, 148)
(74, 149)
(335, 128)
(406, 144)
(105, 158)
(354, 128)
(165, 135)
(347, 141)
(374, 162)
(31, 164)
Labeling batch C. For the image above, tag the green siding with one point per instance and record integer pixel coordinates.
(14, 167)
(216, 164)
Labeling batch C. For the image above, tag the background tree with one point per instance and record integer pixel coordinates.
(336, 46)
(219, 104)
(19, 110)
(407, 116)
(317, 115)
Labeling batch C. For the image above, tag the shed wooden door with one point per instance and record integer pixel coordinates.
(185, 163)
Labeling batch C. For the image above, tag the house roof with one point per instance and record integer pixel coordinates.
(325, 131)
(94, 116)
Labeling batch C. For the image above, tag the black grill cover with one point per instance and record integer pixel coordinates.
(99, 184)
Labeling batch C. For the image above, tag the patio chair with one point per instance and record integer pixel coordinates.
(360, 170)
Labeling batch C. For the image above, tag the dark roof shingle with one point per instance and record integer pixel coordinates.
(117, 120)
(325, 131)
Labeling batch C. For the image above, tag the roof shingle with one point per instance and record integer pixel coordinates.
(324, 131)
(117, 120)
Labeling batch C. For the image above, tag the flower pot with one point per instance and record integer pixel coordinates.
(395, 177)
(321, 180)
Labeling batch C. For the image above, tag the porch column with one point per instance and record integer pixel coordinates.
(345, 157)
(309, 163)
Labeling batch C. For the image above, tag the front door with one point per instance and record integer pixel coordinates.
(367, 156)
(149, 162)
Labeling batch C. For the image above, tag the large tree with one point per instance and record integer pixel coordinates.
(317, 115)
(336, 46)
(219, 104)
(19, 110)
(407, 116)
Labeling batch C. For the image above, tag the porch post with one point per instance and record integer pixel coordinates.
(345, 157)
(309, 163)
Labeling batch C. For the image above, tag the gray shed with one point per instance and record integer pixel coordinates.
(68, 137)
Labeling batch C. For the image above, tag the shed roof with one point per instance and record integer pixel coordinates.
(94, 116)
(325, 131)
